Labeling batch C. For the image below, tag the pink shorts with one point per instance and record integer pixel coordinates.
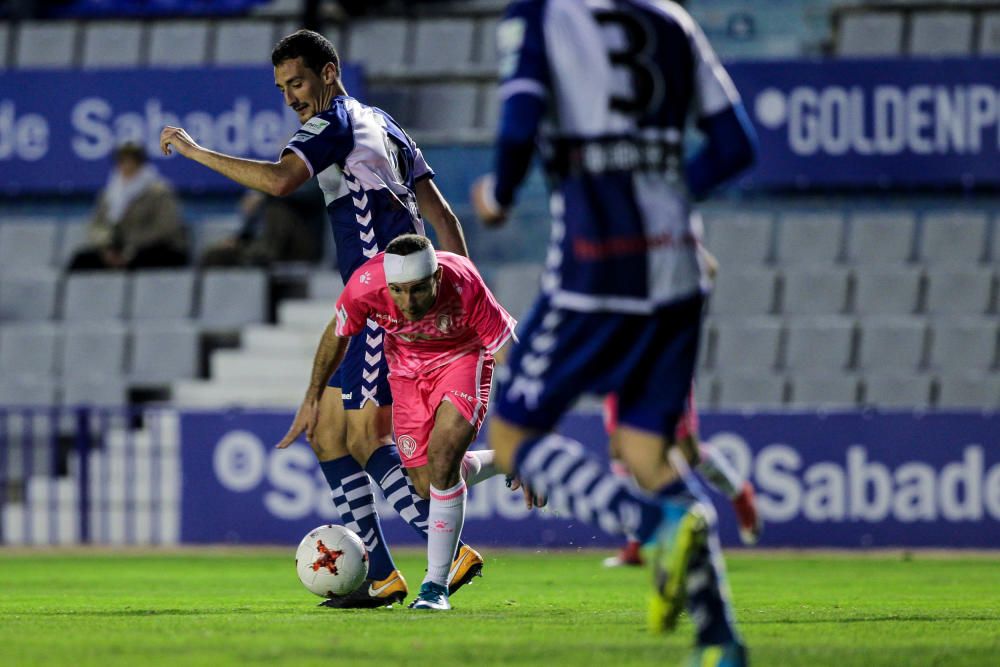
(687, 425)
(465, 383)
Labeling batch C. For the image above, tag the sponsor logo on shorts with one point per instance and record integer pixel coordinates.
(407, 445)
(365, 278)
(346, 397)
(461, 394)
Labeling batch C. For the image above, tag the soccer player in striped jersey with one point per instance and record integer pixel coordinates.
(377, 186)
(604, 89)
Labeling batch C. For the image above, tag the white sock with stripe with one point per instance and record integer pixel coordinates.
(444, 527)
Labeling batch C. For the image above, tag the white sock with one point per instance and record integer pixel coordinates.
(719, 472)
(444, 527)
(478, 466)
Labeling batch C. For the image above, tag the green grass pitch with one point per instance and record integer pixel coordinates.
(64, 606)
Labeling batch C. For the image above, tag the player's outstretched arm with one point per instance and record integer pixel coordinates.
(329, 354)
(435, 210)
(275, 178)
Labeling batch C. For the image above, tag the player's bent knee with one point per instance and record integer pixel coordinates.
(420, 479)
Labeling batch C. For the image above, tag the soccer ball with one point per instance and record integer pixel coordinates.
(331, 560)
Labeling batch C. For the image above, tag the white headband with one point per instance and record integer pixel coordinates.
(407, 268)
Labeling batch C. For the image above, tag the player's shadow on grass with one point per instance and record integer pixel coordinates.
(866, 619)
(145, 612)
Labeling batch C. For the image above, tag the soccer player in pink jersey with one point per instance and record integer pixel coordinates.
(442, 326)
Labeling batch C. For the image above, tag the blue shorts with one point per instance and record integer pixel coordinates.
(363, 375)
(648, 360)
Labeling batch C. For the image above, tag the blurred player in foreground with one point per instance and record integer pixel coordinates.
(377, 186)
(713, 466)
(442, 327)
(621, 303)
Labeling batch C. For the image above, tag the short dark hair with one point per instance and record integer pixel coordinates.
(407, 244)
(314, 49)
(130, 151)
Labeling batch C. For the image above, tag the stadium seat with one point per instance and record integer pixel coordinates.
(953, 238)
(28, 296)
(46, 45)
(325, 285)
(443, 46)
(489, 119)
(163, 352)
(809, 239)
(959, 292)
(743, 292)
(212, 229)
(881, 238)
(516, 285)
(231, 298)
(989, 33)
(969, 390)
(94, 350)
(746, 343)
(819, 343)
(72, 239)
(445, 107)
(814, 291)
(890, 291)
(869, 33)
(897, 390)
(704, 391)
(395, 99)
(941, 33)
(964, 345)
(824, 391)
(739, 240)
(241, 42)
(94, 296)
(381, 44)
(28, 391)
(891, 344)
(112, 44)
(750, 390)
(29, 349)
(27, 244)
(178, 43)
(104, 392)
(487, 45)
(162, 295)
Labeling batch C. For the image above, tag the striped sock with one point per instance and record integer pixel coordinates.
(578, 485)
(385, 468)
(351, 491)
(446, 518)
(718, 470)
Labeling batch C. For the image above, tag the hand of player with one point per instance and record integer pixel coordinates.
(178, 139)
(305, 420)
(531, 499)
(485, 204)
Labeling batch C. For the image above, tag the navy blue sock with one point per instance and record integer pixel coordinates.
(577, 484)
(352, 496)
(386, 469)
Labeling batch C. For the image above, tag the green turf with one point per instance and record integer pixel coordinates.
(70, 608)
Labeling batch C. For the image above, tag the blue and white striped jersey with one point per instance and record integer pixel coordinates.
(367, 168)
(618, 82)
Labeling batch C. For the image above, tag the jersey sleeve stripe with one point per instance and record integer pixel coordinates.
(502, 340)
(518, 86)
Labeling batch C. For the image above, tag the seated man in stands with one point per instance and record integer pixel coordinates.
(275, 229)
(137, 222)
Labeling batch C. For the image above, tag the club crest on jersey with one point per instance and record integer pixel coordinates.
(407, 445)
(443, 323)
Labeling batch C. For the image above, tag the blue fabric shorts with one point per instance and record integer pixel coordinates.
(648, 360)
(363, 375)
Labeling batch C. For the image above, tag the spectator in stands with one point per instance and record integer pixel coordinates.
(137, 221)
(275, 229)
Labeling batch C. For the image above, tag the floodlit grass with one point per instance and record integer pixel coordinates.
(64, 606)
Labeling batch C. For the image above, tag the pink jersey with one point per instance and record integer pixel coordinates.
(465, 319)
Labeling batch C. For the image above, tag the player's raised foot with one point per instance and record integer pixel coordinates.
(371, 594)
(467, 565)
(684, 532)
(432, 597)
(732, 654)
(629, 555)
(745, 506)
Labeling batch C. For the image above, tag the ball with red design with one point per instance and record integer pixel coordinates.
(331, 560)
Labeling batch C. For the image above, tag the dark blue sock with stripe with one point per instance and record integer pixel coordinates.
(352, 496)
